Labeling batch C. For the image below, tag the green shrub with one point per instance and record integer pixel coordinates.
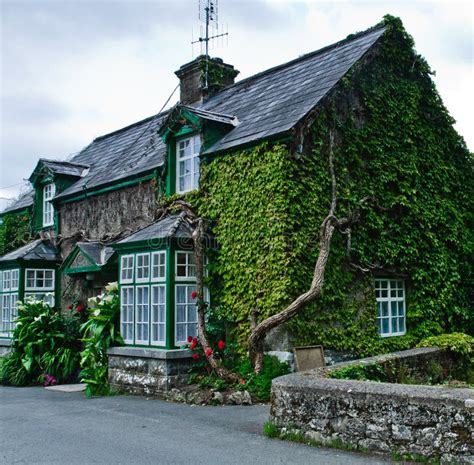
(371, 372)
(43, 345)
(457, 343)
(100, 332)
(260, 385)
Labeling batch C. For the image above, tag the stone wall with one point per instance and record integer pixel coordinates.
(152, 372)
(5, 347)
(104, 216)
(428, 421)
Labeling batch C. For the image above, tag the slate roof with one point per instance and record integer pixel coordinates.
(39, 249)
(167, 227)
(64, 167)
(267, 104)
(274, 101)
(120, 154)
(98, 252)
(24, 201)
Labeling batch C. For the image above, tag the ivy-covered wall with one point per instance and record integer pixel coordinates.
(395, 144)
(15, 231)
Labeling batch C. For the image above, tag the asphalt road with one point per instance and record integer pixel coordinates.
(46, 427)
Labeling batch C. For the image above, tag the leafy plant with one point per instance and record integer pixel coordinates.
(457, 343)
(100, 332)
(370, 372)
(44, 342)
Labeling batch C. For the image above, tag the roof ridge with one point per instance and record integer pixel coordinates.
(324, 49)
(65, 162)
(126, 128)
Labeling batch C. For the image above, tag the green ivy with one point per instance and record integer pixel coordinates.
(15, 231)
(395, 143)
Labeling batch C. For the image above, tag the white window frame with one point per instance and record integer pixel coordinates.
(392, 296)
(46, 296)
(145, 279)
(8, 313)
(45, 290)
(187, 265)
(181, 156)
(157, 322)
(187, 303)
(160, 266)
(131, 268)
(49, 191)
(142, 321)
(124, 312)
(5, 286)
(14, 279)
(1, 280)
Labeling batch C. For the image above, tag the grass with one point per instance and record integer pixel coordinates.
(270, 430)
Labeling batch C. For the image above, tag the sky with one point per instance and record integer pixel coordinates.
(72, 70)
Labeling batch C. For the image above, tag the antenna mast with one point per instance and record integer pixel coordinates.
(208, 14)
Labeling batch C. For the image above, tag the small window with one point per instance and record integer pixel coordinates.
(143, 268)
(391, 314)
(46, 297)
(6, 280)
(185, 265)
(48, 209)
(158, 266)
(142, 315)
(158, 314)
(126, 269)
(186, 313)
(127, 302)
(187, 164)
(14, 276)
(39, 280)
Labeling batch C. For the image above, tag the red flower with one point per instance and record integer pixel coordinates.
(195, 356)
(193, 344)
(190, 339)
(69, 307)
(194, 294)
(221, 345)
(208, 352)
(80, 307)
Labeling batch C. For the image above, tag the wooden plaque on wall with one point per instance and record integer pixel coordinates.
(309, 357)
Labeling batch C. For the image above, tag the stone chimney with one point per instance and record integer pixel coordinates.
(193, 88)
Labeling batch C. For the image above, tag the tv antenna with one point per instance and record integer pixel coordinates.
(208, 14)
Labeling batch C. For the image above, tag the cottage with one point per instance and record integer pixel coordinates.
(251, 156)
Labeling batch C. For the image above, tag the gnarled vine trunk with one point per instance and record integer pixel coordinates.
(257, 337)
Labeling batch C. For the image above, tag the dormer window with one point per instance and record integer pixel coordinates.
(48, 209)
(187, 164)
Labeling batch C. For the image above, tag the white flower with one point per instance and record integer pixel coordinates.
(92, 300)
(96, 312)
(37, 318)
(112, 287)
(108, 298)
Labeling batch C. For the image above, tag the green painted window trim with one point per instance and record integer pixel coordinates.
(22, 278)
(149, 283)
(66, 268)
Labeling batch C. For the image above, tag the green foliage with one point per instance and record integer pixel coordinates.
(457, 343)
(395, 144)
(270, 430)
(260, 385)
(43, 344)
(100, 332)
(371, 372)
(15, 231)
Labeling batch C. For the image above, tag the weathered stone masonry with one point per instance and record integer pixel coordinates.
(147, 371)
(433, 422)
